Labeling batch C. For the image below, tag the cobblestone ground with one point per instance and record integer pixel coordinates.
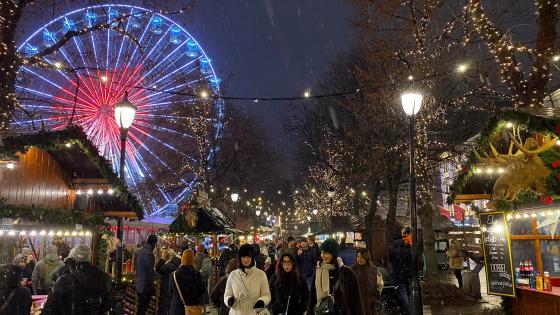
(469, 307)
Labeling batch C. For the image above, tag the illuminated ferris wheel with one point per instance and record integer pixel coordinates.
(155, 60)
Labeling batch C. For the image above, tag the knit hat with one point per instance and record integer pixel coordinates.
(246, 250)
(200, 248)
(81, 253)
(27, 251)
(330, 246)
(19, 259)
(152, 240)
(187, 259)
(52, 249)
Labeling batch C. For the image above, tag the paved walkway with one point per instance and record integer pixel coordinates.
(470, 306)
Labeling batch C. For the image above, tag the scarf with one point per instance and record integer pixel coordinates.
(322, 281)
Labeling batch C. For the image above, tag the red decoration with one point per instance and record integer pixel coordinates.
(547, 200)
(557, 128)
(555, 164)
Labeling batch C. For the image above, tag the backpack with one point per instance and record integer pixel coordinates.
(47, 280)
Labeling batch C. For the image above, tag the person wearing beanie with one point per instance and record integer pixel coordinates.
(289, 291)
(85, 290)
(27, 271)
(145, 274)
(186, 287)
(333, 280)
(41, 278)
(217, 293)
(203, 263)
(247, 290)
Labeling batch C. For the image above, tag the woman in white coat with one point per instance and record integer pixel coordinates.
(247, 291)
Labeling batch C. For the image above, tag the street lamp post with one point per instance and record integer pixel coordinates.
(330, 193)
(124, 115)
(411, 103)
(234, 198)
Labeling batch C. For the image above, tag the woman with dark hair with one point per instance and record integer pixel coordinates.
(247, 291)
(333, 288)
(217, 293)
(288, 289)
(15, 299)
(369, 280)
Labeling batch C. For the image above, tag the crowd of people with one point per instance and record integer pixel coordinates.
(288, 276)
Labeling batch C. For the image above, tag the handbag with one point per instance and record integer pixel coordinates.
(189, 309)
(326, 306)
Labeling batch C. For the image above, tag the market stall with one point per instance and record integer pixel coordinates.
(519, 154)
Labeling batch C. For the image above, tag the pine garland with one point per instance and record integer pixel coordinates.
(49, 215)
(56, 141)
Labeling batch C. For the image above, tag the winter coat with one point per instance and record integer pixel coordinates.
(18, 302)
(41, 279)
(246, 287)
(217, 295)
(455, 259)
(145, 262)
(27, 272)
(205, 268)
(315, 253)
(347, 300)
(368, 282)
(306, 263)
(86, 290)
(165, 269)
(190, 282)
(297, 293)
(348, 254)
(226, 255)
(259, 261)
(400, 259)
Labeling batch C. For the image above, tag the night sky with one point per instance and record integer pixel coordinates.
(271, 48)
(259, 48)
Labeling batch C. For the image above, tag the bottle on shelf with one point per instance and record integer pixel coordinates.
(539, 281)
(517, 275)
(532, 281)
(546, 281)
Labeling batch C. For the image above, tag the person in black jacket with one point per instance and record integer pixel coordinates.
(288, 289)
(217, 293)
(189, 281)
(15, 299)
(226, 255)
(400, 259)
(144, 282)
(168, 263)
(85, 291)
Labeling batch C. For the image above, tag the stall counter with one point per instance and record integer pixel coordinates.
(531, 301)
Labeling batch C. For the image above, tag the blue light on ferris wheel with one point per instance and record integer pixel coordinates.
(192, 48)
(175, 34)
(49, 38)
(136, 20)
(157, 22)
(215, 81)
(68, 24)
(90, 17)
(113, 14)
(205, 65)
(31, 50)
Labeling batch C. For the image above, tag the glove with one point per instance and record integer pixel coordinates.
(230, 301)
(259, 304)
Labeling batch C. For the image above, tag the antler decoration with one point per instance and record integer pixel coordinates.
(548, 142)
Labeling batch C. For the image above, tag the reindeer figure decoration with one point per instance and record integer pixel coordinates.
(523, 169)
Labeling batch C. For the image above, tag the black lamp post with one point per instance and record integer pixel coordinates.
(124, 115)
(234, 198)
(411, 103)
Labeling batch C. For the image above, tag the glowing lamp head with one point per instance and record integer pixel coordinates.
(411, 102)
(124, 112)
(234, 197)
(315, 211)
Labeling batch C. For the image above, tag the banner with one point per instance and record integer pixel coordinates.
(459, 213)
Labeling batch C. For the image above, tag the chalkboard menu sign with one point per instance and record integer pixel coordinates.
(497, 254)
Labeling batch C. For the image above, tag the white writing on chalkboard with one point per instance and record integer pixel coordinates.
(498, 267)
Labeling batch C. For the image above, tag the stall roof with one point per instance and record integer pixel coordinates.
(207, 220)
(82, 164)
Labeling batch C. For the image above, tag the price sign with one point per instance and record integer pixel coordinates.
(497, 254)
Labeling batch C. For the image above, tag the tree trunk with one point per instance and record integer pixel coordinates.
(372, 211)
(429, 237)
(392, 212)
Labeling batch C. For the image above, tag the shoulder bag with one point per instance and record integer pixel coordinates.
(189, 309)
(326, 306)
